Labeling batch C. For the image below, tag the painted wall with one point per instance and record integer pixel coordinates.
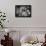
(38, 18)
(37, 22)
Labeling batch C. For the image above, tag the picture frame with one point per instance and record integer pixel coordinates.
(23, 11)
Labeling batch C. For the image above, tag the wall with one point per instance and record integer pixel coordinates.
(36, 23)
(38, 18)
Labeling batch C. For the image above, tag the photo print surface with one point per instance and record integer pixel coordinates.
(23, 11)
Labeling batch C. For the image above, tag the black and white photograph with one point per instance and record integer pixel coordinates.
(23, 11)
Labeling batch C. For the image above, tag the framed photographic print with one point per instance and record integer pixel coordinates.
(23, 11)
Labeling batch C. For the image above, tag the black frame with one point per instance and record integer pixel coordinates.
(26, 6)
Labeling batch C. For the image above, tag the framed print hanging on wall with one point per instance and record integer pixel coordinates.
(23, 11)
